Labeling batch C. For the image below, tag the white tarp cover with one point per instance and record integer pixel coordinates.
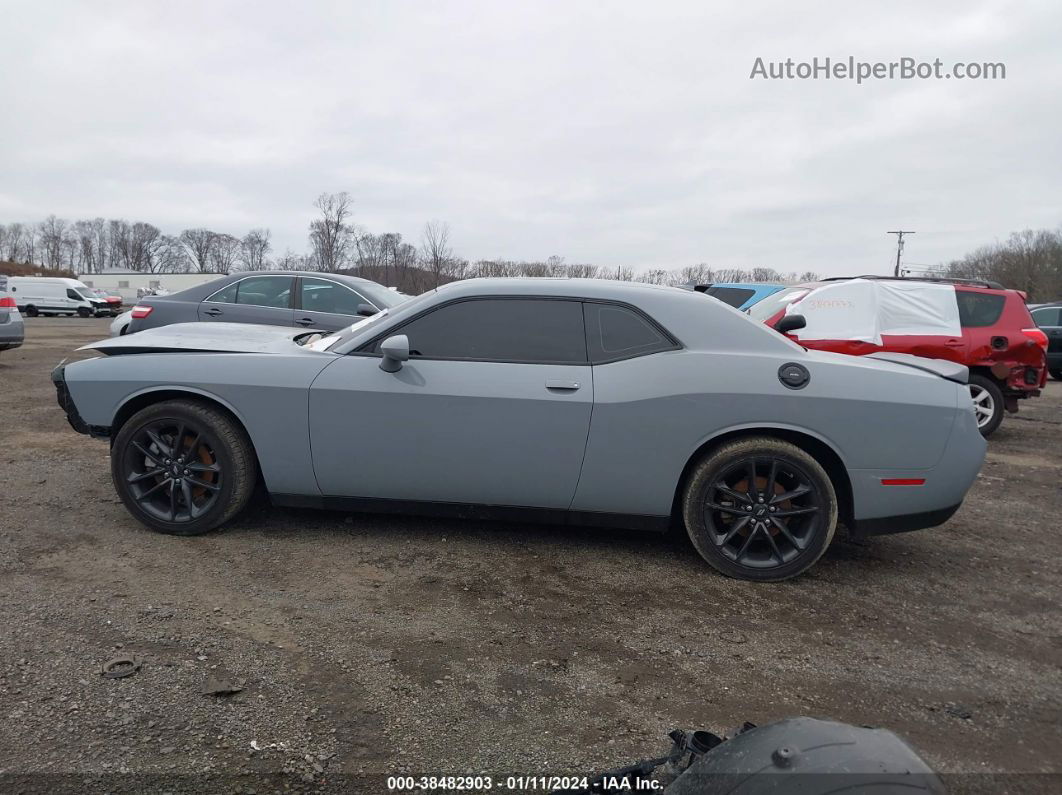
(865, 309)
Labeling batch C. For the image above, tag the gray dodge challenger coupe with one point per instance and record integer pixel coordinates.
(567, 400)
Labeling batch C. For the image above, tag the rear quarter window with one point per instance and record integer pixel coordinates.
(978, 310)
(616, 332)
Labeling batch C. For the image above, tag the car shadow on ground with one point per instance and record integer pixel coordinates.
(844, 558)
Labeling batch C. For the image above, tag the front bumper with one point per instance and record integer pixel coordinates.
(66, 403)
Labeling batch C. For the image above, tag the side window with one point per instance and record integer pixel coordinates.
(533, 331)
(977, 310)
(616, 332)
(226, 295)
(274, 291)
(321, 295)
(71, 294)
(1048, 316)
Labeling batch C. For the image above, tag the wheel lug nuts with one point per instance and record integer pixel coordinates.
(761, 499)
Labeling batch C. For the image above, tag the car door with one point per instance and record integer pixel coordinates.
(1049, 319)
(326, 305)
(492, 407)
(255, 299)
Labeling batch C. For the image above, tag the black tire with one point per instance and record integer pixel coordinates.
(31, 311)
(82, 312)
(184, 488)
(1056, 374)
(986, 393)
(788, 537)
(124, 329)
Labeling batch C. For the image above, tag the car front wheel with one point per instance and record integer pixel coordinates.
(988, 404)
(183, 467)
(760, 509)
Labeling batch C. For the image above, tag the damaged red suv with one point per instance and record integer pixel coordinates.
(993, 334)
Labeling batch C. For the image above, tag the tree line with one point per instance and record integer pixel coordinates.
(1030, 260)
(335, 244)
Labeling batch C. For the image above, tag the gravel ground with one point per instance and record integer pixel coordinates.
(372, 645)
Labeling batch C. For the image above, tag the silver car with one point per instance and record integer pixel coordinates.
(562, 400)
(12, 329)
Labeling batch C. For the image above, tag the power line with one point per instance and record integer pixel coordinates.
(899, 246)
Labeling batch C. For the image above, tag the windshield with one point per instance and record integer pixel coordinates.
(773, 304)
(380, 295)
(85, 294)
(405, 306)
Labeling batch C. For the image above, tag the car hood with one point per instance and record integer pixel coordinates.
(206, 338)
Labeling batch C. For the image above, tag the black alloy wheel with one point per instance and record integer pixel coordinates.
(183, 467)
(760, 509)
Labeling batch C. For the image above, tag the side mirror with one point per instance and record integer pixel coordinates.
(790, 323)
(395, 350)
(366, 310)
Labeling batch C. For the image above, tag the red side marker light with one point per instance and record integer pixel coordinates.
(903, 481)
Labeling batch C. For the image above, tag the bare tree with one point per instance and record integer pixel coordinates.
(141, 244)
(101, 243)
(435, 249)
(169, 255)
(254, 249)
(52, 230)
(13, 249)
(224, 253)
(198, 244)
(331, 235)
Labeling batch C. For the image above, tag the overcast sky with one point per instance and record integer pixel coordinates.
(605, 132)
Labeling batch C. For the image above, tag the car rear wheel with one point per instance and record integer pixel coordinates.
(988, 404)
(31, 311)
(182, 467)
(760, 509)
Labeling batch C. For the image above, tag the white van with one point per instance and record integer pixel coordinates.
(41, 295)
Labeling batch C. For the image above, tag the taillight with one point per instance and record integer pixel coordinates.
(1037, 336)
(8, 301)
(142, 311)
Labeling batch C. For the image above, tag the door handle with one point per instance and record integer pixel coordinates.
(213, 312)
(562, 385)
(954, 343)
(306, 321)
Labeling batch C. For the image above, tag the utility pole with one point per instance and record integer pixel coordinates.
(899, 246)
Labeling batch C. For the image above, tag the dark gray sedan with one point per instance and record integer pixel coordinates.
(314, 301)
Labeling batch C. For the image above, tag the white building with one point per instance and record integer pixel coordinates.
(126, 283)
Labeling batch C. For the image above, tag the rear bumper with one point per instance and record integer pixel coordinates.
(888, 525)
(891, 501)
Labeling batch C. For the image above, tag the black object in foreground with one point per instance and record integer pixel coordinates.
(801, 755)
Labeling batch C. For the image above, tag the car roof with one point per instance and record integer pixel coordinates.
(314, 274)
(605, 289)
